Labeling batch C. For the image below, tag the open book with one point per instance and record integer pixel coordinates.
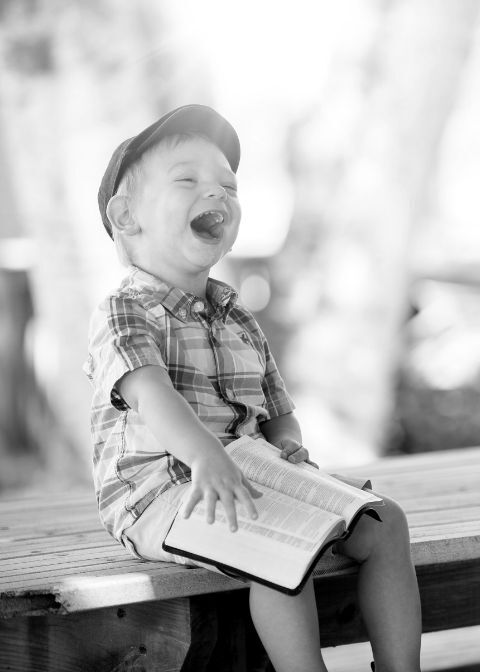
(301, 513)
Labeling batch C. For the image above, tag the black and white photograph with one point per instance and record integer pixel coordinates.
(239, 336)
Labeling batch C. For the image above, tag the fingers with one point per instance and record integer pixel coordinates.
(289, 448)
(243, 495)
(194, 496)
(294, 452)
(298, 456)
(230, 511)
(253, 491)
(210, 505)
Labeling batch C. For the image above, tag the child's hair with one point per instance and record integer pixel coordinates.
(133, 176)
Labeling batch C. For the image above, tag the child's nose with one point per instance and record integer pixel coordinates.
(216, 191)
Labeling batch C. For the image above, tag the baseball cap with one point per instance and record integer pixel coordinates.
(184, 119)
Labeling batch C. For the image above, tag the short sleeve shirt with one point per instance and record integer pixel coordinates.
(217, 358)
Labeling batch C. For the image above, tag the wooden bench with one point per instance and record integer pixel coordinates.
(72, 600)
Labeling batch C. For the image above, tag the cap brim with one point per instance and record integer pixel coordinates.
(192, 119)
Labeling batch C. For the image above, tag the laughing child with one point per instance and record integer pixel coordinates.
(180, 369)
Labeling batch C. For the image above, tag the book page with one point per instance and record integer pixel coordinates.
(261, 463)
(278, 546)
(296, 524)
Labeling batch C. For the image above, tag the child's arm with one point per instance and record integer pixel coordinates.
(285, 433)
(149, 391)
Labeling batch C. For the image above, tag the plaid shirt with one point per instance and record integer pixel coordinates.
(218, 360)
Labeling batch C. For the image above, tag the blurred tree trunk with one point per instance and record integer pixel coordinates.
(356, 208)
(15, 312)
(73, 82)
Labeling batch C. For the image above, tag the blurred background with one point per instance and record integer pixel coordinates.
(360, 243)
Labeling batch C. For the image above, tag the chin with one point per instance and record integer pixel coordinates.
(208, 258)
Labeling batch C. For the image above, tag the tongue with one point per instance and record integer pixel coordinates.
(208, 225)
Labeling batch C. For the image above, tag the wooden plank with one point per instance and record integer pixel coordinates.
(445, 551)
(51, 527)
(84, 567)
(76, 592)
(35, 525)
(79, 593)
(452, 522)
(13, 535)
(116, 582)
(26, 501)
(444, 516)
(424, 549)
(40, 527)
(75, 559)
(429, 461)
(421, 524)
(75, 566)
(459, 605)
(21, 555)
(30, 548)
(416, 485)
(25, 556)
(68, 548)
(433, 472)
(339, 619)
(469, 528)
(203, 634)
(59, 505)
(440, 502)
(134, 637)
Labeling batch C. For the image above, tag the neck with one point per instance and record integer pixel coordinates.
(193, 284)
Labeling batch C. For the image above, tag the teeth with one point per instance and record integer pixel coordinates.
(208, 225)
(217, 216)
(210, 217)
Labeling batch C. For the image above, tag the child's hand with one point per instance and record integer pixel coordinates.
(217, 477)
(293, 451)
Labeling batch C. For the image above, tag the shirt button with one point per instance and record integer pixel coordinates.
(182, 313)
(229, 393)
(198, 307)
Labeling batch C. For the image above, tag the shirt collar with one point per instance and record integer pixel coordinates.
(221, 296)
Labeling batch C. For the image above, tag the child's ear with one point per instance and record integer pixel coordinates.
(120, 215)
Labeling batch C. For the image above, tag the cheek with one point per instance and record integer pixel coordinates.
(233, 233)
(236, 216)
(146, 214)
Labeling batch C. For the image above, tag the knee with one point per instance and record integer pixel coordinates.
(370, 536)
(393, 518)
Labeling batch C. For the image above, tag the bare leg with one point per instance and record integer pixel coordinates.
(387, 589)
(288, 628)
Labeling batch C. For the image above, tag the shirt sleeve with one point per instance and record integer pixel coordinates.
(124, 336)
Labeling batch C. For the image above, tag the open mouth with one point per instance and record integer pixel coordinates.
(208, 225)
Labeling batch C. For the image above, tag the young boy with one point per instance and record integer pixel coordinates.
(180, 369)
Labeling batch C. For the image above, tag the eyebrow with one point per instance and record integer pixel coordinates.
(182, 164)
(189, 164)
